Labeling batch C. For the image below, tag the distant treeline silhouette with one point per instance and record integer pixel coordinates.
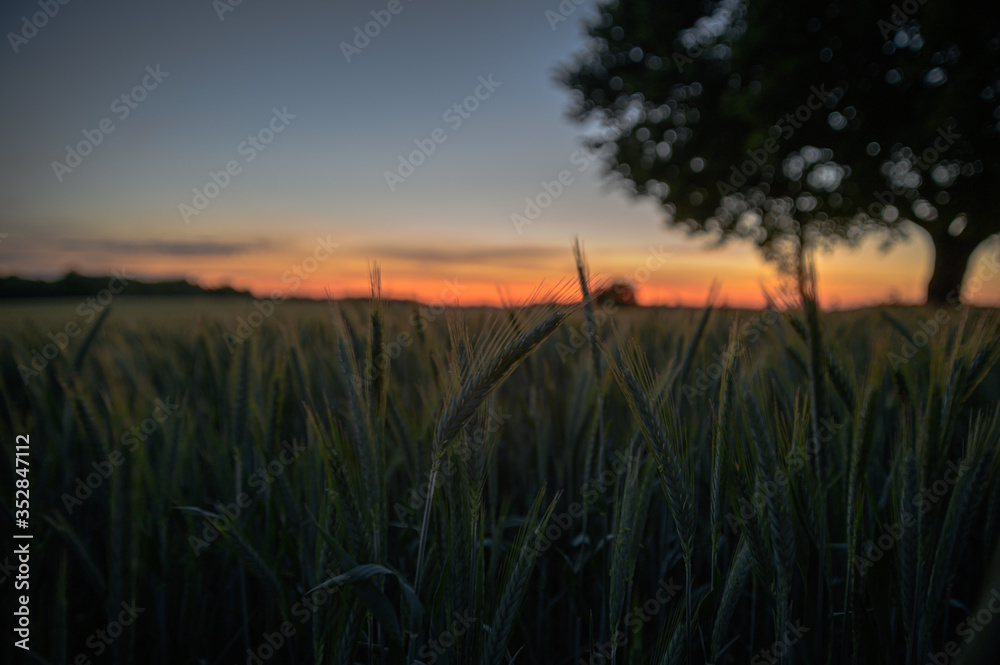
(73, 284)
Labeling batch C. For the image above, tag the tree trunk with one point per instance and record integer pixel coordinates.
(951, 258)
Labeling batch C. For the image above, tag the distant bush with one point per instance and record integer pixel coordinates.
(619, 291)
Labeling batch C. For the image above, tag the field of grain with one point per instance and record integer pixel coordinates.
(390, 483)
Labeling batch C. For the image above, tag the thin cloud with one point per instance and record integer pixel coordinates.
(170, 248)
(451, 255)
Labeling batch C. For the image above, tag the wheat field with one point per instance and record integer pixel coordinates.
(389, 483)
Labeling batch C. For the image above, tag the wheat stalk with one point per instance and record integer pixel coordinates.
(474, 391)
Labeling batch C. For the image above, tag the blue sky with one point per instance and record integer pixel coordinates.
(324, 172)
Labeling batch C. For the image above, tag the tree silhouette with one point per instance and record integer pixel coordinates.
(621, 292)
(801, 124)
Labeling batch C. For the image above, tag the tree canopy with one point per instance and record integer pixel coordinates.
(800, 124)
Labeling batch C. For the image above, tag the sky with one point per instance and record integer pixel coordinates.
(248, 143)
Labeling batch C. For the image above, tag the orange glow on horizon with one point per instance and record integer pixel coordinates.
(462, 292)
(462, 271)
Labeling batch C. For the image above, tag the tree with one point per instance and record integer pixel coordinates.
(621, 292)
(803, 124)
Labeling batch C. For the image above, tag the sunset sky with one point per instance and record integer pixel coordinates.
(267, 66)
